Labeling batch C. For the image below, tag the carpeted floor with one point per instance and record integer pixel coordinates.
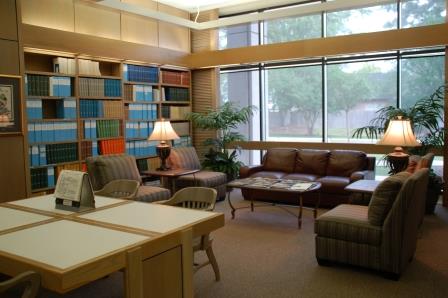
(263, 254)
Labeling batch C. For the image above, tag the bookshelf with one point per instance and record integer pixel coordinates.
(79, 106)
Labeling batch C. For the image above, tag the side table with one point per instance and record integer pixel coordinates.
(363, 186)
(171, 175)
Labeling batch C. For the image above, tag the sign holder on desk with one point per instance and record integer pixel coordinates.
(74, 191)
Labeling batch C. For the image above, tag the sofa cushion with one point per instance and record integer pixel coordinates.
(202, 178)
(345, 162)
(348, 223)
(384, 196)
(334, 184)
(184, 158)
(280, 159)
(152, 194)
(269, 174)
(303, 177)
(103, 169)
(312, 161)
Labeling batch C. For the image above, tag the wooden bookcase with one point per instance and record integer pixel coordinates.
(97, 107)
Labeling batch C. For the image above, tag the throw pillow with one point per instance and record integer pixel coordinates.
(384, 196)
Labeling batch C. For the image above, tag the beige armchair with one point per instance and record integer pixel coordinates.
(30, 278)
(120, 189)
(202, 198)
(382, 236)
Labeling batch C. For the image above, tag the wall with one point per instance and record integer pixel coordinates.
(91, 19)
(12, 161)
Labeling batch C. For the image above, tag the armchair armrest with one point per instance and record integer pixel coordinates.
(247, 171)
(120, 189)
(358, 175)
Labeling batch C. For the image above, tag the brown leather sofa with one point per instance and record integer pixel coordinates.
(335, 169)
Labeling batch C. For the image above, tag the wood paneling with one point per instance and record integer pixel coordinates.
(50, 39)
(12, 173)
(57, 14)
(139, 30)
(172, 36)
(8, 20)
(98, 22)
(435, 35)
(204, 40)
(9, 62)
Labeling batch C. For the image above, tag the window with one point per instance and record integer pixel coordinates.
(238, 36)
(290, 29)
(422, 12)
(369, 19)
(355, 91)
(294, 104)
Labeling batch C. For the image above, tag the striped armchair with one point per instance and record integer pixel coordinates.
(349, 234)
(106, 168)
(187, 158)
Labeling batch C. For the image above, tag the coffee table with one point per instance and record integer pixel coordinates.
(276, 185)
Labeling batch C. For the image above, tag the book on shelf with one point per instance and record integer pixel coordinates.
(64, 65)
(175, 77)
(116, 146)
(140, 129)
(37, 85)
(175, 112)
(183, 141)
(140, 73)
(141, 148)
(93, 87)
(60, 86)
(66, 108)
(138, 93)
(142, 111)
(94, 108)
(60, 153)
(175, 94)
(181, 128)
(39, 178)
(52, 131)
(34, 108)
(89, 67)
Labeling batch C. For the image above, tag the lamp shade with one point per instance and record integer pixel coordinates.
(163, 131)
(399, 133)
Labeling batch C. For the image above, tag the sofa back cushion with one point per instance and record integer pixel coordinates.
(311, 161)
(345, 162)
(384, 196)
(417, 162)
(280, 159)
(104, 169)
(184, 158)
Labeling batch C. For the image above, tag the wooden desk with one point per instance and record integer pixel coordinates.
(363, 186)
(170, 176)
(152, 242)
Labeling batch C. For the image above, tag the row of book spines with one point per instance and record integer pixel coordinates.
(176, 77)
(100, 108)
(140, 129)
(40, 85)
(99, 87)
(139, 73)
(65, 108)
(89, 148)
(175, 112)
(111, 146)
(94, 129)
(141, 111)
(64, 65)
(140, 93)
(181, 128)
(52, 132)
(42, 177)
(175, 94)
(141, 148)
(183, 141)
(89, 67)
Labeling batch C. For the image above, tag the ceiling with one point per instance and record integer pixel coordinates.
(226, 7)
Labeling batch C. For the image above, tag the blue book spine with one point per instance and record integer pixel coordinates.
(42, 155)
(50, 177)
(35, 155)
(94, 148)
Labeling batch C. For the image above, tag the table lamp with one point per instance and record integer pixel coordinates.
(163, 131)
(399, 134)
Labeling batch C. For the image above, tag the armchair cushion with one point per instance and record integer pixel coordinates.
(202, 178)
(312, 161)
(384, 196)
(184, 158)
(280, 159)
(152, 194)
(345, 162)
(348, 223)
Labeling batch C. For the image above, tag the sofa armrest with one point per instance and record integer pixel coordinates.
(247, 171)
(358, 175)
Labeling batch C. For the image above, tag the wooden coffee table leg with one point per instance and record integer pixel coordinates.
(230, 204)
(300, 211)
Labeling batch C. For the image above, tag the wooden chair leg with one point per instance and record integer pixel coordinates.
(212, 259)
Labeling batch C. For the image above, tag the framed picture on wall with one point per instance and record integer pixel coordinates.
(10, 88)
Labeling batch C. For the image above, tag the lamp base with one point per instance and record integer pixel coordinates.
(397, 161)
(163, 150)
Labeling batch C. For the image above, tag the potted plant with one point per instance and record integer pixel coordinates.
(223, 120)
(426, 117)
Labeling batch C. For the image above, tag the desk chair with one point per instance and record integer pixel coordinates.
(201, 198)
(119, 189)
(30, 278)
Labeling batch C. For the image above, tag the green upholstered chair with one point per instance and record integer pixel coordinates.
(187, 158)
(106, 168)
(385, 241)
